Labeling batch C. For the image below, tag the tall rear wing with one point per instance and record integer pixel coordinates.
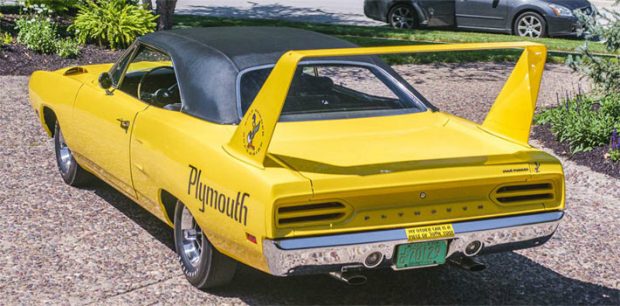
(509, 117)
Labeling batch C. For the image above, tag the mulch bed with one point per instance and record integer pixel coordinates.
(15, 59)
(594, 159)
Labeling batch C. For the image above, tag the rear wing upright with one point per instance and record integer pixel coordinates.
(510, 116)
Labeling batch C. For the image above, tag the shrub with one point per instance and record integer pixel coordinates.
(604, 71)
(67, 47)
(57, 6)
(37, 34)
(115, 23)
(5, 39)
(614, 146)
(583, 122)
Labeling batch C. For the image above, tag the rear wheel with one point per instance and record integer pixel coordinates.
(70, 171)
(530, 24)
(203, 265)
(402, 16)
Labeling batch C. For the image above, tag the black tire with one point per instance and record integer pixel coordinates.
(207, 269)
(70, 171)
(402, 16)
(530, 24)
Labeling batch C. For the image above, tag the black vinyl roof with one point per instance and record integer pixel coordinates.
(207, 61)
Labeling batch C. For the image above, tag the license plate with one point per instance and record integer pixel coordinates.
(430, 232)
(419, 254)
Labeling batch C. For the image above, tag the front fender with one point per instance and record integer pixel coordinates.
(56, 92)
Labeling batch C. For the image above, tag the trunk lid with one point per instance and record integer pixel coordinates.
(401, 170)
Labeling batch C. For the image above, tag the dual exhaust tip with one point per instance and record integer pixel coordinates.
(351, 276)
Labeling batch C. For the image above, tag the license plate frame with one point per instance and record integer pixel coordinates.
(420, 254)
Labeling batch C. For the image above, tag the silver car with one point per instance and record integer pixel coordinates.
(531, 18)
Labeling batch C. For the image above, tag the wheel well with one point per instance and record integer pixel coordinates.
(170, 202)
(527, 10)
(49, 117)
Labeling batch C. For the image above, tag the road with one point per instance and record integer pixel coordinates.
(323, 11)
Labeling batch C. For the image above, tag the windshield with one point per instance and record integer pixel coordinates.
(328, 91)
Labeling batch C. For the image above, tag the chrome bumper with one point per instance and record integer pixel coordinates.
(322, 254)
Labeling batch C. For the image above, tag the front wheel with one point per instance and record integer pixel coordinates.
(71, 172)
(530, 24)
(203, 265)
(402, 16)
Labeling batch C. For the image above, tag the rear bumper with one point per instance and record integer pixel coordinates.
(322, 254)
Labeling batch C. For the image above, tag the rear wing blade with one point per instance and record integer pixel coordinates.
(509, 117)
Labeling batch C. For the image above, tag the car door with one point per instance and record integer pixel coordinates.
(482, 14)
(103, 120)
(156, 129)
(439, 13)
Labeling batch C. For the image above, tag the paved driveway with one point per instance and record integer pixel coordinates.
(63, 245)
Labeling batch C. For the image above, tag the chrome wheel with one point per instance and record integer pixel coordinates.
(64, 153)
(191, 240)
(402, 17)
(530, 26)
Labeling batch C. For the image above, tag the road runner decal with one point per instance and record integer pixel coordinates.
(208, 196)
(254, 134)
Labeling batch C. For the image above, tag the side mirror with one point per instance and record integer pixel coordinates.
(105, 81)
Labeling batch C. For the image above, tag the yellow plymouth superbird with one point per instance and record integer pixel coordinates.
(297, 153)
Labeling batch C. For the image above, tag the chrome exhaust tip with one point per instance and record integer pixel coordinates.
(352, 279)
(468, 264)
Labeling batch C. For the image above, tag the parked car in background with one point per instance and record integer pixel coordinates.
(531, 18)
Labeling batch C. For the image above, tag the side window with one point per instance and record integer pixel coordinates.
(151, 78)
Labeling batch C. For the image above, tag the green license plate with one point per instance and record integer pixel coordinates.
(420, 254)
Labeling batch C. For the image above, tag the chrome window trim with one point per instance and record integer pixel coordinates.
(382, 71)
(132, 51)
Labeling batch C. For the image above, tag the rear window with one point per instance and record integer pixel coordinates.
(325, 91)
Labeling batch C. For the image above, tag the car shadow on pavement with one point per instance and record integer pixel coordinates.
(510, 278)
(158, 229)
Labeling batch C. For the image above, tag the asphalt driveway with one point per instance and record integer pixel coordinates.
(64, 245)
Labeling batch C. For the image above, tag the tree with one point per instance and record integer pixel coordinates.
(603, 71)
(148, 4)
(165, 10)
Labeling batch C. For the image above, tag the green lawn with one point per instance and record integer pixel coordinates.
(373, 36)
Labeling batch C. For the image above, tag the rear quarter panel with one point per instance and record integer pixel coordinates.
(174, 149)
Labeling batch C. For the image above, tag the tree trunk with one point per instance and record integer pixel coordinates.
(165, 10)
(148, 4)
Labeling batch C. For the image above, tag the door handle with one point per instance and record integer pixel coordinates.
(124, 124)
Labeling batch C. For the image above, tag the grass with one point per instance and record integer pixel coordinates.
(374, 36)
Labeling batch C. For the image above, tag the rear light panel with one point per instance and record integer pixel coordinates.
(311, 214)
(524, 193)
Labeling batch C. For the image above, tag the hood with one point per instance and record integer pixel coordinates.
(571, 4)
